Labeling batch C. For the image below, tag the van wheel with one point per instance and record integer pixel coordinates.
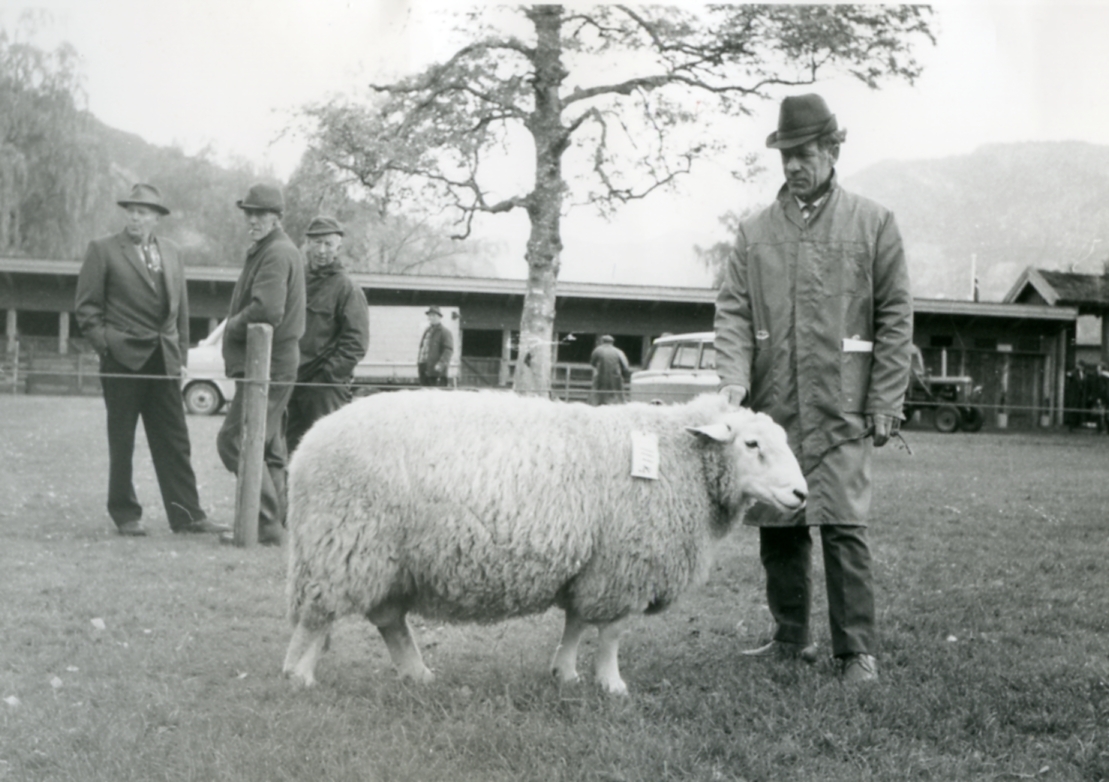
(203, 398)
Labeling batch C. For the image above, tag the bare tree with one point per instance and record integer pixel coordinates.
(629, 97)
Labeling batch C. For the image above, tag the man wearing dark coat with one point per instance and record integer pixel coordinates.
(610, 371)
(336, 333)
(436, 347)
(270, 290)
(133, 308)
(814, 326)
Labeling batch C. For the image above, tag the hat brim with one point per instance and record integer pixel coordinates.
(323, 233)
(156, 207)
(246, 206)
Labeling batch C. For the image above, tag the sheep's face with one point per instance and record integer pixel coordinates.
(765, 467)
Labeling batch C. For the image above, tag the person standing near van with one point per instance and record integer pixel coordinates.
(269, 290)
(336, 333)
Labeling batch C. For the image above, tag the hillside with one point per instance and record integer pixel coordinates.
(1012, 205)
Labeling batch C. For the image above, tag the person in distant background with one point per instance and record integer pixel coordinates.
(610, 371)
(336, 333)
(270, 290)
(133, 308)
(436, 347)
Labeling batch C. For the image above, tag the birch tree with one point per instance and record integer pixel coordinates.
(616, 102)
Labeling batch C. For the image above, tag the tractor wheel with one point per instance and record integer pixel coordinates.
(971, 419)
(947, 419)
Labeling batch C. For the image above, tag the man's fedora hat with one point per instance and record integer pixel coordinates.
(433, 310)
(322, 226)
(801, 119)
(144, 195)
(263, 198)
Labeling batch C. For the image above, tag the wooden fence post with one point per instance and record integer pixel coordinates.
(255, 390)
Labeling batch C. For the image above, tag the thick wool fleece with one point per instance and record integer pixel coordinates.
(482, 506)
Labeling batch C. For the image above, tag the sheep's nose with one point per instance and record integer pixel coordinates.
(800, 494)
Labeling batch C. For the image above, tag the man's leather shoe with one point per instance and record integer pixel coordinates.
(133, 529)
(860, 668)
(781, 650)
(204, 525)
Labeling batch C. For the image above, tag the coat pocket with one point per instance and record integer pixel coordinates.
(854, 373)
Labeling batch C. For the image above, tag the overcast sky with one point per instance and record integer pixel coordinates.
(229, 72)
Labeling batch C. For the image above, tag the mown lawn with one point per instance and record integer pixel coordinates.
(993, 578)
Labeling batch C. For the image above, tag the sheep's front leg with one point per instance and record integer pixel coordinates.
(305, 647)
(564, 667)
(608, 667)
(392, 623)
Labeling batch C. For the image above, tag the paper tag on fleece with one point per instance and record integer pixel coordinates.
(645, 455)
(856, 345)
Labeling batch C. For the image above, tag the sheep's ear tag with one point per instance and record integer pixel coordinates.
(645, 455)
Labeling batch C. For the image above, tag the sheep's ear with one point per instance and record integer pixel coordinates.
(720, 433)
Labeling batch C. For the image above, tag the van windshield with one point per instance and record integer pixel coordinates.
(660, 356)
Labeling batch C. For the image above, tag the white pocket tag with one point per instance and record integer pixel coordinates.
(645, 455)
(855, 345)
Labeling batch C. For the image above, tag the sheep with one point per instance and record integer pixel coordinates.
(481, 506)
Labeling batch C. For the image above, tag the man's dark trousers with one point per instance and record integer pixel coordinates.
(157, 400)
(229, 444)
(310, 403)
(786, 555)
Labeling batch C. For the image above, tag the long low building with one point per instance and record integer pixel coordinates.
(1018, 353)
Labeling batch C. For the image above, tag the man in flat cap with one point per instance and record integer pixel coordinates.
(270, 290)
(814, 327)
(436, 347)
(336, 333)
(133, 308)
(610, 371)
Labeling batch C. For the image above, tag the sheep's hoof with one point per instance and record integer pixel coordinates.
(418, 675)
(565, 678)
(299, 680)
(614, 687)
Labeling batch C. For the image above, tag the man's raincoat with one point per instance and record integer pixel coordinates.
(815, 320)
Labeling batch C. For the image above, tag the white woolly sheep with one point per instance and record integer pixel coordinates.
(480, 506)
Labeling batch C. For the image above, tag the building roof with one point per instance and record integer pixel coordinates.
(590, 290)
(1087, 292)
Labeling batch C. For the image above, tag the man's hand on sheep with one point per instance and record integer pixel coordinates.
(884, 427)
(734, 394)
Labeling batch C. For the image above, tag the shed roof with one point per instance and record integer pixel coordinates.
(1088, 292)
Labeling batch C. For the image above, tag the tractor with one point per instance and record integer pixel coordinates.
(954, 401)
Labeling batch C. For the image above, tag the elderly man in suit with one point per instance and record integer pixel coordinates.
(270, 290)
(436, 347)
(133, 308)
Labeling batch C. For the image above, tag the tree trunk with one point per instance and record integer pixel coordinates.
(537, 339)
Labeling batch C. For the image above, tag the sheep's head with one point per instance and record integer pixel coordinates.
(764, 468)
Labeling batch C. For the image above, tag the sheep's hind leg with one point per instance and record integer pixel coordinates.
(608, 666)
(305, 647)
(392, 623)
(564, 667)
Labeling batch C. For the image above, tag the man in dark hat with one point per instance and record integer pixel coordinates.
(270, 290)
(336, 333)
(610, 371)
(436, 347)
(133, 308)
(814, 327)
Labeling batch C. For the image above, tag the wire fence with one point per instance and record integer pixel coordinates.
(37, 366)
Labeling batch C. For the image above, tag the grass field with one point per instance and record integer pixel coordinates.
(992, 556)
